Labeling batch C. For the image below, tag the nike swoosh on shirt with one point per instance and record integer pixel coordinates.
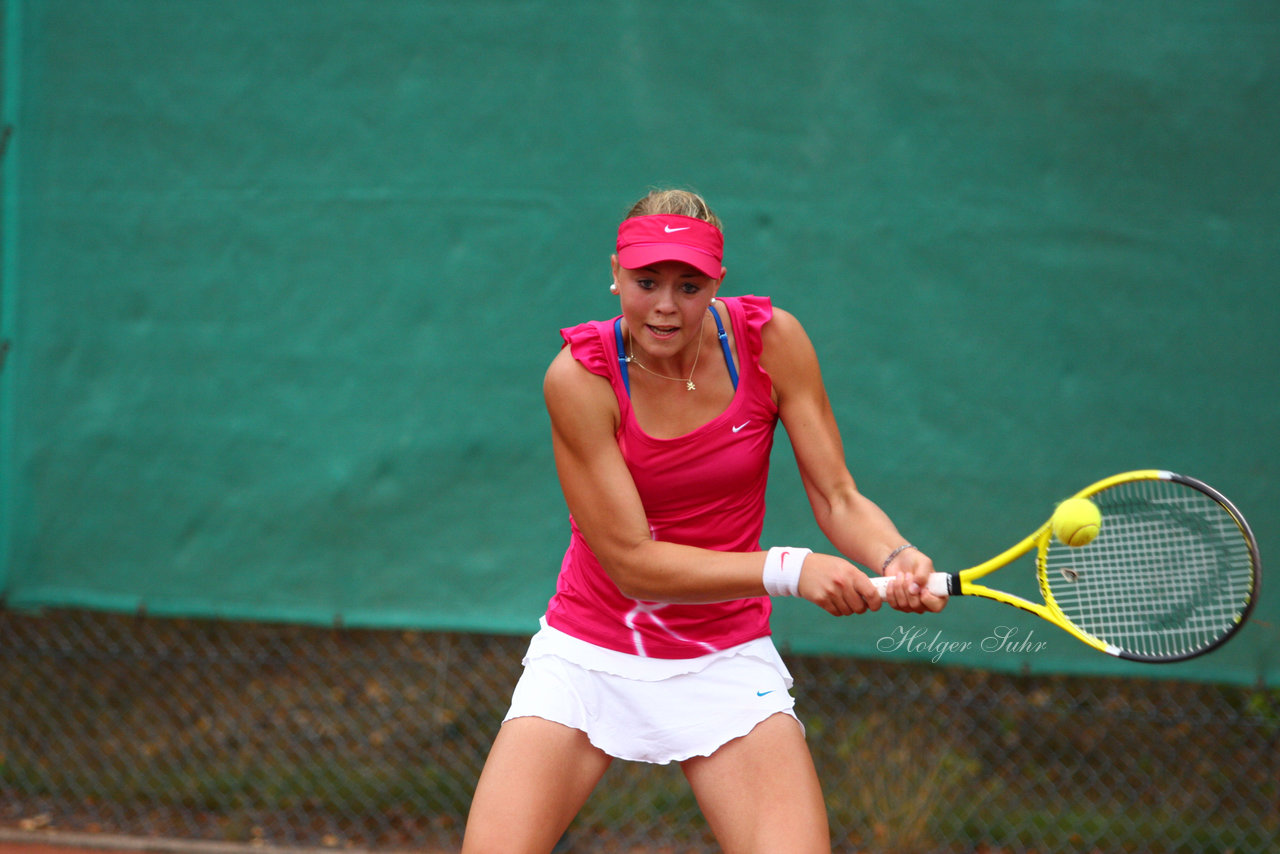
(740, 426)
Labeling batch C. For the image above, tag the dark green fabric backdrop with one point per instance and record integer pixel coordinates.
(280, 280)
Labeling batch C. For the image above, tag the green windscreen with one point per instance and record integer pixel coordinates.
(280, 281)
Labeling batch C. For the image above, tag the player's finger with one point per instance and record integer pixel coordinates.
(932, 602)
(840, 605)
(905, 594)
(866, 592)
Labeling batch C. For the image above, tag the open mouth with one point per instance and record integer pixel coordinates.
(662, 331)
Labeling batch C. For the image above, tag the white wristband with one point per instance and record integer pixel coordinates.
(782, 570)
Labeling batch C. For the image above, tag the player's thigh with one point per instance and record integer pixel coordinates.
(760, 792)
(536, 779)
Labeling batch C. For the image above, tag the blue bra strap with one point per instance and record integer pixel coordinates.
(622, 354)
(724, 345)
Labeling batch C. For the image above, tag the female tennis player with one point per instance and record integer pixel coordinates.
(656, 645)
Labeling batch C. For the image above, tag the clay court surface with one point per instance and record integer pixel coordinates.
(73, 843)
(36, 848)
(23, 847)
(30, 843)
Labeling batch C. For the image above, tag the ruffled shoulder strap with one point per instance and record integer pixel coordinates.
(594, 346)
(587, 342)
(755, 313)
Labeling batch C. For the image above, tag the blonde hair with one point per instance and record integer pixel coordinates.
(676, 202)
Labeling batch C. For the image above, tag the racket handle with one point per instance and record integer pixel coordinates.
(939, 583)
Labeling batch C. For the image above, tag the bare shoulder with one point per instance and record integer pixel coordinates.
(785, 346)
(570, 390)
(783, 322)
(564, 371)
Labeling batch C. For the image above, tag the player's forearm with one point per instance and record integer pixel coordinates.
(859, 529)
(667, 572)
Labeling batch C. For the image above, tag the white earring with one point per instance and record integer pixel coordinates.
(613, 289)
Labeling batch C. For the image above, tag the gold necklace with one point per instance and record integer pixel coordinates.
(688, 383)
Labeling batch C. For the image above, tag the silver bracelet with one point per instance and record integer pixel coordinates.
(899, 550)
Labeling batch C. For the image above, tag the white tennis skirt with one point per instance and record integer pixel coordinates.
(648, 709)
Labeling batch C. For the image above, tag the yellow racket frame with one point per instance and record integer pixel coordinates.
(1040, 540)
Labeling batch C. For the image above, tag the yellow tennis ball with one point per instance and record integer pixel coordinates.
(1076, 522)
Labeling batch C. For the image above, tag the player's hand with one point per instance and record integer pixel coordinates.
(908, 588)
(837, 586)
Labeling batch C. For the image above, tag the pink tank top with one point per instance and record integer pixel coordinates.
(704, 489)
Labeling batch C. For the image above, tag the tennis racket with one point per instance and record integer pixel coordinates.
(1173, 572)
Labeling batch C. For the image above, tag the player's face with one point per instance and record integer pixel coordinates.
(664, 305)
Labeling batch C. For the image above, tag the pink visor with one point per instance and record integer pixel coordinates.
(646, 240)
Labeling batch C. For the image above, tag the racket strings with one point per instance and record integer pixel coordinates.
(1170, 573)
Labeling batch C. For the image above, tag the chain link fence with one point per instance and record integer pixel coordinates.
(303, 736)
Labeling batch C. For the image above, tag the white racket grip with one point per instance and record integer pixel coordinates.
(938, 583)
